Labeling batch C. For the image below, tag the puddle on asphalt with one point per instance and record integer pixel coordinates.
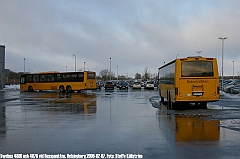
(191, 124)
(232, 124)
(63, 102)
(229, 107)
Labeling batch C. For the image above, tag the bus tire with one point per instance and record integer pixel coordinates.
(69, 89)
(174, 105)
(162, 99)
(30, 88)
(203, 105)
(61, 88)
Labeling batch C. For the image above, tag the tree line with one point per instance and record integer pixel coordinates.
(106, 75)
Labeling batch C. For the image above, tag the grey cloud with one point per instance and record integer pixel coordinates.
(135, 34)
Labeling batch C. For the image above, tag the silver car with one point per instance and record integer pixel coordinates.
(136, 85)
(149, 85)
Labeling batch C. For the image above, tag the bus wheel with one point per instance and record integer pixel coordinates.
(30, 88)
(162, 99)
(203, 105)
(61, 89)
(69, 89)
(174, 105)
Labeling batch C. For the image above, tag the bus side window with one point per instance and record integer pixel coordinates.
(64, 77)
(80, 77)
(58, 77)
(35, 78)
(68, 77)
(74, 77)
(29, 78)
(22, 80)
(43, 78)
(50, 78)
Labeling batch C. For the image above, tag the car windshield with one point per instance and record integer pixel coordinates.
(136, 82)
(149, 82)
(108, 82)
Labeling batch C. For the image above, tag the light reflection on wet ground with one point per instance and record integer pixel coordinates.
(116, 122)
(227, 111)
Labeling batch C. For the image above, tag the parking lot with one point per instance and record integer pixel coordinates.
(111, 123)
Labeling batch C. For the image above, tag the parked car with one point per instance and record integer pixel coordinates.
(149, 85)
(123, 85)
(130, 83)
(109, 85)
(99, 84)
(136, 85)
(143, 83)
(233, 89)
(231, 84)
(156, 83)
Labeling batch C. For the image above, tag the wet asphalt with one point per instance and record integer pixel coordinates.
(115, 124)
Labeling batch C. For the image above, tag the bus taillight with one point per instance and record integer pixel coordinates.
(209, 58)
(176, 90)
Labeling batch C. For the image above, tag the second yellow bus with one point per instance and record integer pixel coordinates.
(66, 81)
(189, 80)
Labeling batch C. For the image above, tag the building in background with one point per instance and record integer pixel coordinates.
(2, 66)
(7, 81)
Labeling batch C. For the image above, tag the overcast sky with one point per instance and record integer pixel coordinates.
(135, 33)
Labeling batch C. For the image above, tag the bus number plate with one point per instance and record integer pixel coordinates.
(197, 93)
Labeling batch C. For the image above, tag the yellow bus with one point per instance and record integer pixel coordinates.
(189, 80)
(67, 81)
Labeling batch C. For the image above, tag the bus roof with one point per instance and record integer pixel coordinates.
(55, 72)
(186, 58)
(48, 72)
(167, 64)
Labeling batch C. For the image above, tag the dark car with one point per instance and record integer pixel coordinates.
(99, 84)
(123, 85)
(109, 85)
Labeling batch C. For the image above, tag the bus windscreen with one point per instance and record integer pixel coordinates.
(197, 68)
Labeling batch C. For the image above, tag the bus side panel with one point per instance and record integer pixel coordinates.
(23, 87)
(164, 89)
(198, 90)
(77, 86)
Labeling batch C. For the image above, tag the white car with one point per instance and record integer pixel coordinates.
(149, 85)
(136, 85)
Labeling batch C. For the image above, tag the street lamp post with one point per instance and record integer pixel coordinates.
(84, 66)
(110, 69)
(222, 56)
(177, 55)
(233, 69)
(75, 61)
(198, 52)
(66, 68)
(24, 59)
(117, 73)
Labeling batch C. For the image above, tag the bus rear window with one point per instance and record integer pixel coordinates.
(91, 75)
(197, 68)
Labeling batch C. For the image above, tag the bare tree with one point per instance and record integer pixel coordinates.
(137, 76)
(105, 74)
(146, 74)
(111, 74)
